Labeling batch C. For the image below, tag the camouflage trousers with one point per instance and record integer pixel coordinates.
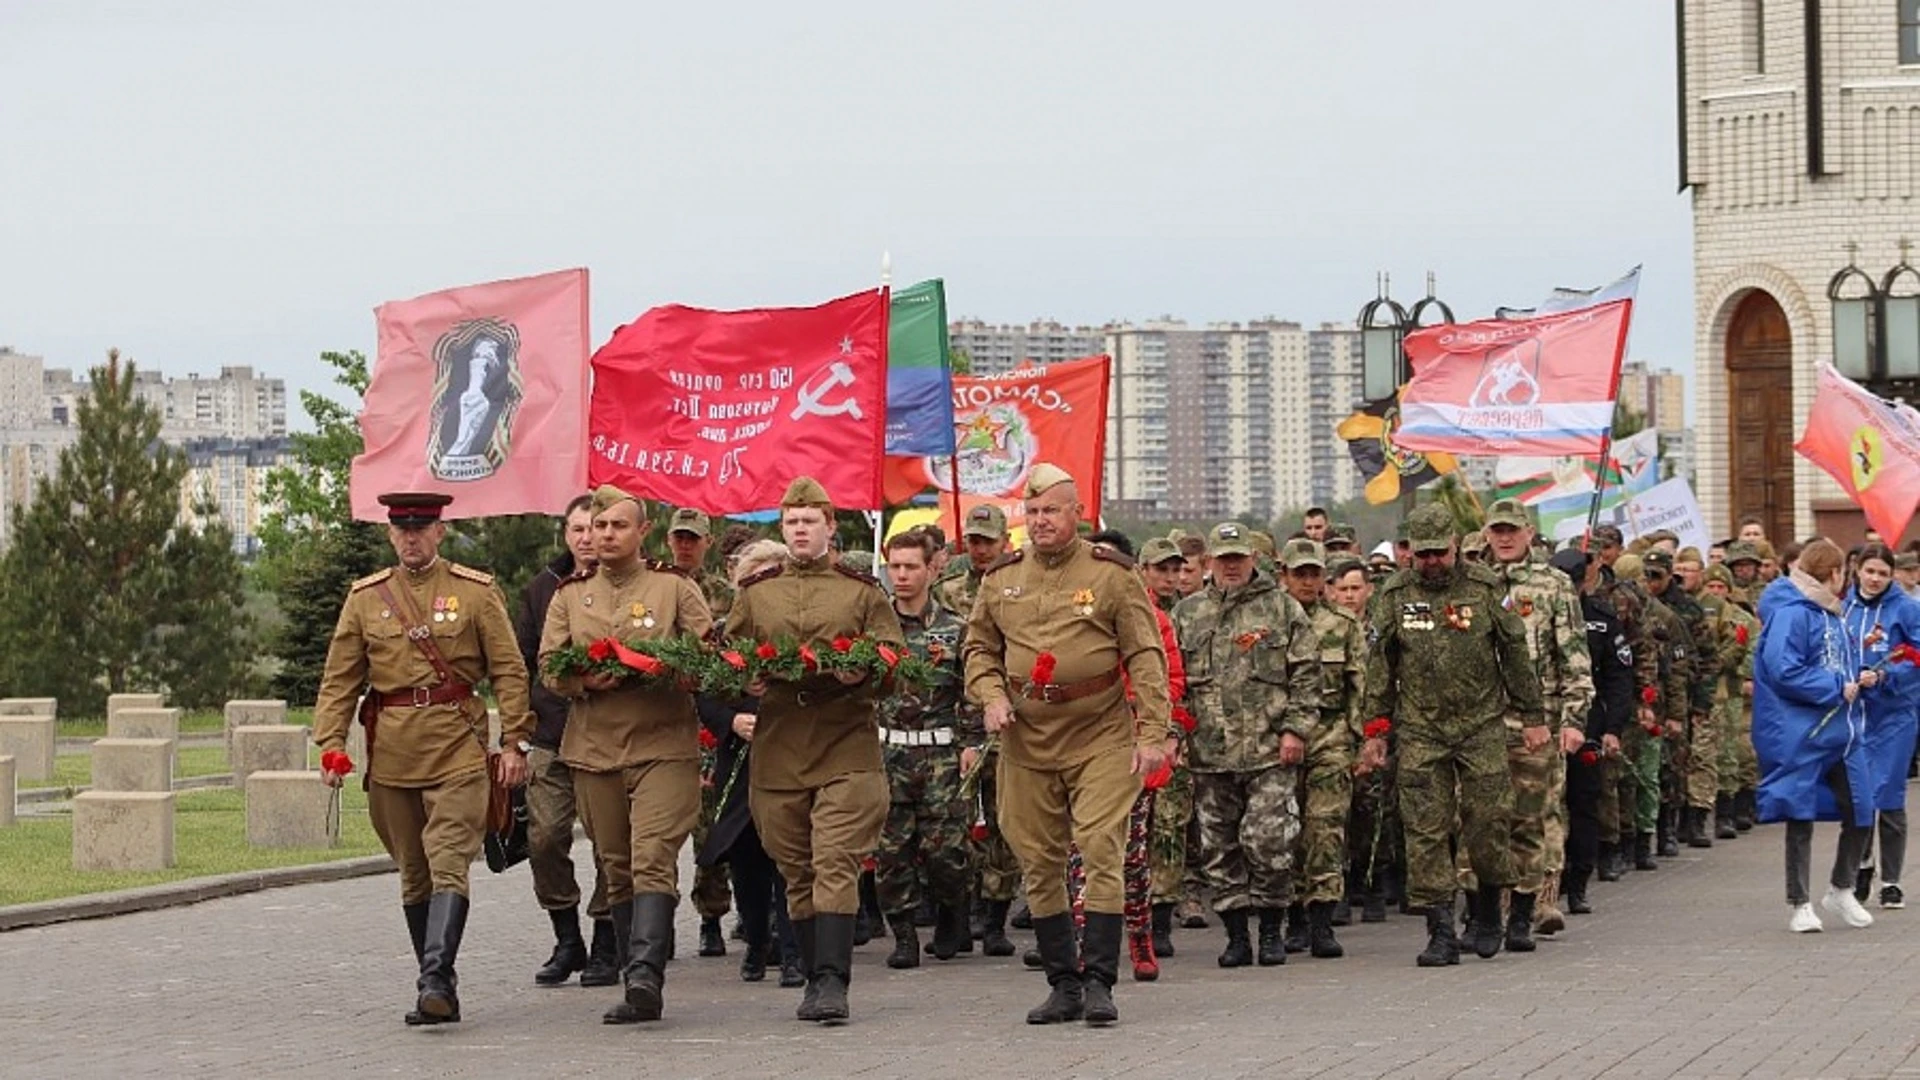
(1703, 761)
(1167, 842)
(1641, 756)
(1739, 766)
(1608, 810)
(1136, 872)
(1326, 798)
(1556, 819)
(1531, 772)
(1374, 840)
(712, 897)
(1441, 781)
(1249, 822)
(926, 831)
(998, 870)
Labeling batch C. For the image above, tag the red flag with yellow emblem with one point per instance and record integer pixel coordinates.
(1870, 446)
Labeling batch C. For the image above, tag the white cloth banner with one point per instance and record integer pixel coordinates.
(1671, 506)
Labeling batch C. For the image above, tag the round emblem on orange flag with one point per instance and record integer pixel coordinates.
(1866, 452)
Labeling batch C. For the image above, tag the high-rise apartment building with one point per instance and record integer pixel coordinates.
(997, 349)
(1660, 396)
(233, 473)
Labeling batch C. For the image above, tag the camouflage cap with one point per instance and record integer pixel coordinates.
(688, 520)
(1159, 550)
(1342, 532)
(1430, 528)
(1607, 536)
(1262, 543)
(1656, 561)
(1907, 560)
(986, 521)
(1229, 538)
(1044, 476)
(1741, 551)
(805, 491)
(1508, 513)
(1473, 542)
(1302, 552)
(1627, 567)
(1720, 574)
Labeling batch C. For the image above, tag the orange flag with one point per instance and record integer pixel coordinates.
(479, 393)
(1870, 446)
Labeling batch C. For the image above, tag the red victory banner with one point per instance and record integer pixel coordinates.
(1870, 446)
(479, 393)
(1003, 426)
(721, 410)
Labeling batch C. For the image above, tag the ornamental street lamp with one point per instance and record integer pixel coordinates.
(1876, 325)
(1384, 326)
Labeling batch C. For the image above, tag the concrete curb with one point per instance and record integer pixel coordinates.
(63, 794)
(173, 894)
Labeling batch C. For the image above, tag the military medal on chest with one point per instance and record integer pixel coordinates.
(1460, 617)
(640, 616)
(1083, 601)
(446, 608)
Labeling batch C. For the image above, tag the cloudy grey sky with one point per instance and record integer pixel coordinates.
(205, 183)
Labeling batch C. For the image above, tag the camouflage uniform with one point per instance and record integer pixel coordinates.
(1739, 633)
(999, 871)
(927, 819)
(1252, 675)
(1328, 785)
(1617, 783)
(1702, 775)
(1172, 815)
(1674, 648)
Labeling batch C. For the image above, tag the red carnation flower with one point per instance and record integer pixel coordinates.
(766, 651)
(1378, 728)
(734, 660)
(336, 762)
(1043, 668)
(707, 741)
(1648, 695)
(978, 832)
(1740, 634)
(1904, 653)
(1159, 777)
(600, 651)
(843, 644)
(1184, 718)
(808, 658)
(887, 655)
(1588, 757)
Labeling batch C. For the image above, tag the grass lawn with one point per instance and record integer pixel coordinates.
(209, 837)
(76, 770)
(196, 721)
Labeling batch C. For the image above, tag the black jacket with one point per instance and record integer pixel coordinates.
(1612, 655)
(733, 819)
(549, 708)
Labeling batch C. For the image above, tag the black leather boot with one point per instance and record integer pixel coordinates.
(1667, 829)
(1342, 912)
(1643, 852)
(1520, 923)
(645, 972)
(1297, 928)
(1442, 947)
(1576, 884)
(1272, 949)
(1239, 951)
(1020, 918)
(950, 936)
(1101, 965)
(1609, 871)
(1697, 834)
(1320, 939)
(416, 929)
(1723, 818)
(906, 941)
(603, 957)
(439, 1001)
(805, 938)
(832, 967)
(620, 917)
(868, 919)
(1161, 920)
(1743, 809)
(1487, 931)
(712, 941)
(569, 950)
(1066, 1000)
(993, 929)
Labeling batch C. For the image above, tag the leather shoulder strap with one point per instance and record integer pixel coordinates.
(417, 632)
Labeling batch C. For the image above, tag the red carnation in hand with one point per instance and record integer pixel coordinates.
(734, 660)
(1184, 718)
(766, 651)
(1378, 728)
(600, 651)
(1043, 668)
(978, 832)
(336, 762)
(1588, 757)
(707, 741)
(1904, 653)
(887, 655)
(1159, 777)
(1740, 634)
(1648, 695)
(843, 644)
(808, 658)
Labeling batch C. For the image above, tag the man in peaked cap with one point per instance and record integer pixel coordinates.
(818, 787)
(417, 638)
(1060, 628)
(984, 533)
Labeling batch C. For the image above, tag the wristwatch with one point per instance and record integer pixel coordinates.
(525, 747)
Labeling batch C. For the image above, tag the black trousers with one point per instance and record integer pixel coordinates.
(760, 895)
(1583, 814)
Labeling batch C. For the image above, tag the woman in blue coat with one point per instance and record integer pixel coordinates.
(1807, 676)
(1879, 618)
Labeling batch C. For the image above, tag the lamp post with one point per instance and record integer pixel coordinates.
(1384, 326)
(1876, 325)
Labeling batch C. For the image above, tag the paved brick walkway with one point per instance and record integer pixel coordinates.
(1689, 971)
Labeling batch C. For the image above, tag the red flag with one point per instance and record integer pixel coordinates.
(1543, 385)
(1004, 425)
(1870, 446)
(721, 410)
(480, 393)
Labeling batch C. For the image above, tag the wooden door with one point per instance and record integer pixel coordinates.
(1760, 415)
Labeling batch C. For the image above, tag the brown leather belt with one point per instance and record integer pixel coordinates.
(1056, 693)
(419, 697)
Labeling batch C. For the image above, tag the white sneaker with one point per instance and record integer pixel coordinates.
(1841, 902)
(1804, 921)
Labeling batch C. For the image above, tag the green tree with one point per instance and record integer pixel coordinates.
(107, 588)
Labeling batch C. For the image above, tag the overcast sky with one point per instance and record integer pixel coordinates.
(209, 183)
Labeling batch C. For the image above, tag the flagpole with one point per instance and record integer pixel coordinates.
(1613, 404)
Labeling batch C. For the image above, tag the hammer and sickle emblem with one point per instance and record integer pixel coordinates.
(836, 374)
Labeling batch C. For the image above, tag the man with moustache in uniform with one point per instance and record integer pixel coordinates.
(1060, 629)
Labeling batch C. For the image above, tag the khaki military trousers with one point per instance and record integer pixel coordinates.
(550, 816)
(1044, 810)
(639, 818)
(433, 833)
(819, 836)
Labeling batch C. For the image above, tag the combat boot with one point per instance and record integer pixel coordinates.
(712, 941)
(1239, 952)
(1146, 967)
(1577, 891)
(1519, 925)
(1272, 950)
(832, 967)
(602, 957)
(1609, 862)
(806, 941)
(1643, 852)
(1162, 922)
(1667, 827)
(1342, 912)
(1320, 939)
(1743, 809)
(439, 1001)
(645, 972)
(1442, 947)
(1100, 967)
(1696, 828)
(1547, 919)
(416, 929)
(1297, 928)
(993, 930)
(569, 950)
(1066, 999)
(950, 934)
(1487, 934)
(1723, 818)
(906, 941)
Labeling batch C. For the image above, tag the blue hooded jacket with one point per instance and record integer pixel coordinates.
(1874, 628)
(1800, 670)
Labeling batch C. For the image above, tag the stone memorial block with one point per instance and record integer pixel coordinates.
(29, 741)
(117, 702)
(275, 748)
(29, 706)
(123, 830)
(132, 765)
(145, 723)
(287, 809)
(7, 791)
(253, 714)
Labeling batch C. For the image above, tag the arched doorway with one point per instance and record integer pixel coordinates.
(1760, 415)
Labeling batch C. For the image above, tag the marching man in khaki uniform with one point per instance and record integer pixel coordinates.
(417, 638)
(818, 790)
(633, 744)
(1060, 628)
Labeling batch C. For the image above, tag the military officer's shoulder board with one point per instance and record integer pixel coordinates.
(579, 574)
(660, 567)
(757, 577)
(372, 579)
(469, 573)
(1004, 561)
(1118, 558)
(857, 575)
